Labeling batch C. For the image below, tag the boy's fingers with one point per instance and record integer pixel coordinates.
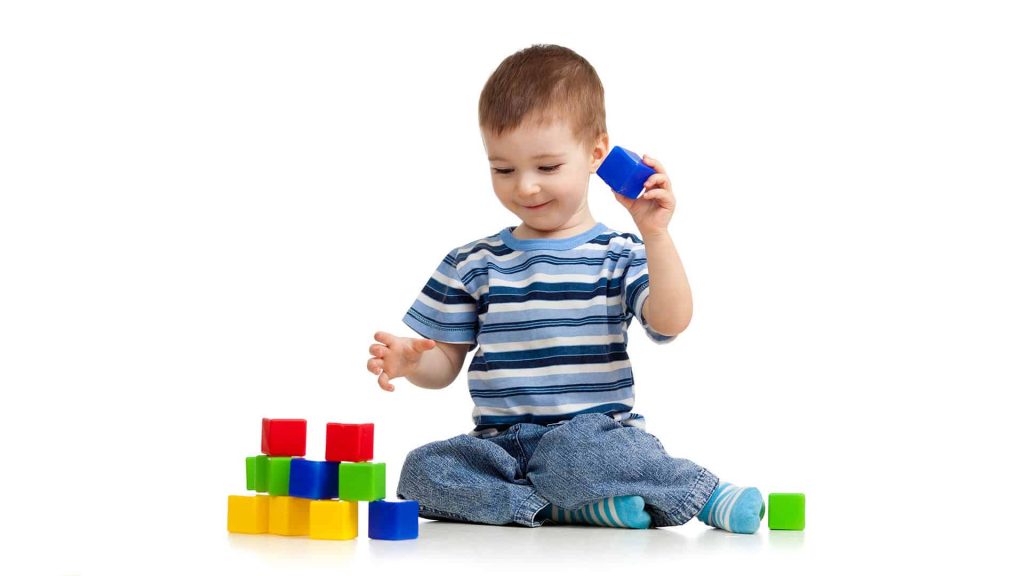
(653, 163)
(627, 202)
(656, 180)
(375, 365)
(377, 350)
(384, 338)
(383, 382)
(659, 195)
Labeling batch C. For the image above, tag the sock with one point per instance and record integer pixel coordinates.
(734, 509)
(617, 512)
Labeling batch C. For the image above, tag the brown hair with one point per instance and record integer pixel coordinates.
(540, 82)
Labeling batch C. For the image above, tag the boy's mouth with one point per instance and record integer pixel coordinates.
(537, 206)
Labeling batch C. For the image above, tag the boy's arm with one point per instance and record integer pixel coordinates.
(445, 316)
(439, 366)
(669, 304)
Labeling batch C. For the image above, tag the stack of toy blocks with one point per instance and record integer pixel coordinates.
(318, 499)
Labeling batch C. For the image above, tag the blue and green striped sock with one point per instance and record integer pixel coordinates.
(617, 512)
(734, 509)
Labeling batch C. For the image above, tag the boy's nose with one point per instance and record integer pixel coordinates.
(527, 188)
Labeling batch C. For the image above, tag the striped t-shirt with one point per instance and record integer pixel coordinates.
(550, 319)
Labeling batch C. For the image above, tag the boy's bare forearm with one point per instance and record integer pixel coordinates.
(669, 305)
(438, 367)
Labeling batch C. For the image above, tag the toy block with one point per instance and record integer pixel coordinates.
(625, 172)
(288, 516)
(284, 437)
(349, 442)
(361, 481)
(333, 520)
(278, 475)
(313, 480)
(257, 473)
(786, 511)
(248, 514)
(394, 520)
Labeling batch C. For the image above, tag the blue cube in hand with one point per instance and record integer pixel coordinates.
(625, 172)
(313, 480)
(394, 520)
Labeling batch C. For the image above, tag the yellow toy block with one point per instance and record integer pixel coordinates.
(248, 514)
(289, 516)
(333, 519)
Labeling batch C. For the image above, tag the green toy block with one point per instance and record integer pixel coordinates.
(280, 469)
(362, 481)
(257, 473)
(786, 511)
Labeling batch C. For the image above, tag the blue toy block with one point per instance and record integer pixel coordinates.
(313, 480)
(625, 172)
(394, 520)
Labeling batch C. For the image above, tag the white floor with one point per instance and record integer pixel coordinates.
(837, 545)
(443, 543)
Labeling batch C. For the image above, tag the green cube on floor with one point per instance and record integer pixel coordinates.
(786, 511)
(280, 469)
(257, 473)
(363, 481)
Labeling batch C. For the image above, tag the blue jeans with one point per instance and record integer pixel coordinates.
(510, 477)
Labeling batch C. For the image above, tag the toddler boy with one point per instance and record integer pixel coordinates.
(547, 304)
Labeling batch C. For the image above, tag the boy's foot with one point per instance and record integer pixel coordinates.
(617, 512)
(734, 509)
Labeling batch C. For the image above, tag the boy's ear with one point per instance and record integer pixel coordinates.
(599, 152)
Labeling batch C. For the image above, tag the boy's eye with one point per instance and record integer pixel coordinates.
(551, 168)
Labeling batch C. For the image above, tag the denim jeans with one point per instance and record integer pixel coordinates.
(510, 477)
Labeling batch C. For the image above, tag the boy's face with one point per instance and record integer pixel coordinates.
(540, 173)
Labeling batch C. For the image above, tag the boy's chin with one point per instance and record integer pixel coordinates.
(544, 222)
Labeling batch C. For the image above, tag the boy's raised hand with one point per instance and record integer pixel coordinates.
(395, 357)
(653, 210)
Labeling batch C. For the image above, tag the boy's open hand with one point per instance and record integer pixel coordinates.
(395, 357)
(653, 210)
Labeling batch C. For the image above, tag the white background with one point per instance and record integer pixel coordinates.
(207, 208)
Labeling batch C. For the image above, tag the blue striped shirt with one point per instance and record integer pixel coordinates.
(549, 317)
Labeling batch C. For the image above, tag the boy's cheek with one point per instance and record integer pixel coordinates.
(510, 206)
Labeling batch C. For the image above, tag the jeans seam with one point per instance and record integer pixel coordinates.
(528, 509)
(521, 456)
(441, 514)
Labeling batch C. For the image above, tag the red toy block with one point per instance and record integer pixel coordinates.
(349, 442)
(284, 437)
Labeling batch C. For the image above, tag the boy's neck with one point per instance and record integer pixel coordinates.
(526, 232)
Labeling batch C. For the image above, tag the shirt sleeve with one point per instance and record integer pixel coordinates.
(444, 310)
(636, 290)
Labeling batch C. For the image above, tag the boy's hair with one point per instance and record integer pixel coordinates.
(542, 82)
